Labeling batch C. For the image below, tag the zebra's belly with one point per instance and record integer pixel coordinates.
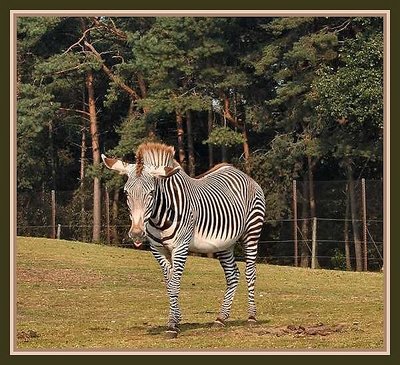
(203, 244)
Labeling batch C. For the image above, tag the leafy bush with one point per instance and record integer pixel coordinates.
(224, 136)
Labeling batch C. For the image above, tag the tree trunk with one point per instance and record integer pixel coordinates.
(246, 149)
(143, 93)
(354, 210)
(295, 224)
(313, 213)
(181, 144)
(233, 120)
(311, 165)
(52, 156)
(107, 206)
(82, 183)
(305, 251)
(224, 154)
(346, 231)
(364, 214)
(189, 131)
(96, 157)
(114, 217)
(143, 89)
(210, 147)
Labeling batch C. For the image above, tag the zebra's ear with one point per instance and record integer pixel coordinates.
(113, 164)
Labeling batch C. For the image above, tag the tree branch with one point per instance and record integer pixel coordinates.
(67, 70)
(114, 30)
(79, 40)
(342, 26)
(111, 75)
(75, 111)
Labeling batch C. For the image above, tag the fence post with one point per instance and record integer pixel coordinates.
(296, 247)
(53, 214)
(364, 208)
(346, 230)
(314, 244)
(58, 231)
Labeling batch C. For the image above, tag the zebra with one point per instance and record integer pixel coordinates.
(179, 214)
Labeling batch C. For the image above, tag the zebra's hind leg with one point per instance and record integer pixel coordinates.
(250, 241)
(227, 261)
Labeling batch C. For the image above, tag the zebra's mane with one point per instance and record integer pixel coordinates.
(154, 155)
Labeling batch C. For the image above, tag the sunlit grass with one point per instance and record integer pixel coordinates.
(73, 295)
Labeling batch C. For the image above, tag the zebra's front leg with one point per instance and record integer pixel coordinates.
(163, 257)
(179, 256)
(227, 261)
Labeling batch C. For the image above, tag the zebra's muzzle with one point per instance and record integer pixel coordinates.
(136, 235)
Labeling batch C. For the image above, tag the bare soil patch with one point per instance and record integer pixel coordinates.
(27, 335)
(319, 329)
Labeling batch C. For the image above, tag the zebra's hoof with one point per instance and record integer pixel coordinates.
(251, 321)
(171, 333)
(218, 323)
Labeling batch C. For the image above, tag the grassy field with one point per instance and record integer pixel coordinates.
(73, 295)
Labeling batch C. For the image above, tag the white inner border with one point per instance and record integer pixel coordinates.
(259, 13)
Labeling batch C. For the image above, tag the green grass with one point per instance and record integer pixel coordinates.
(73, 295)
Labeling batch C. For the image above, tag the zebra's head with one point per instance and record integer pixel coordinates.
(152, 161)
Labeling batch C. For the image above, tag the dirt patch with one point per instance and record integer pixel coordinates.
(27, 335)
(319, 329)
(59, 276)
(99, 329)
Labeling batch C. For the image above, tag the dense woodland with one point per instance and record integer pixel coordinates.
(297, 98)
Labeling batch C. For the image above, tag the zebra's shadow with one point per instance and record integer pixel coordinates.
(192, 326)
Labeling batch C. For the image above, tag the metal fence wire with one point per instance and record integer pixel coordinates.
(286, 240)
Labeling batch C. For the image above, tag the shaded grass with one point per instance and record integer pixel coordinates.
(73, 295)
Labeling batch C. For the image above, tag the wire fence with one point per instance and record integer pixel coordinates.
(330, 244)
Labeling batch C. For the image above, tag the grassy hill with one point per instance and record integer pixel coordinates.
(72, 295)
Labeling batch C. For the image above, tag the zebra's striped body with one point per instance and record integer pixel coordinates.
(207, 215)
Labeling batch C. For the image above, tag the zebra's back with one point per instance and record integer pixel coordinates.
(222, 204)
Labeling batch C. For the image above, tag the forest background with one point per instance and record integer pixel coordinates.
(283, 98)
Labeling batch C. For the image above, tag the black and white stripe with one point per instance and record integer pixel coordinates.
(208, 214)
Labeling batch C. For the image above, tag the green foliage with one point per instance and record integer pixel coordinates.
(339, 260)
(361, 77)
(93, 171)
(35, 108)
(305, 87)
(310, 50)
(233, 80)
(132, 133)
(31, 30)
(356, 114)
(166, 101)
(270, 55)
(281, 25)
(224, 136)
(112, 96)
(274, 169)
